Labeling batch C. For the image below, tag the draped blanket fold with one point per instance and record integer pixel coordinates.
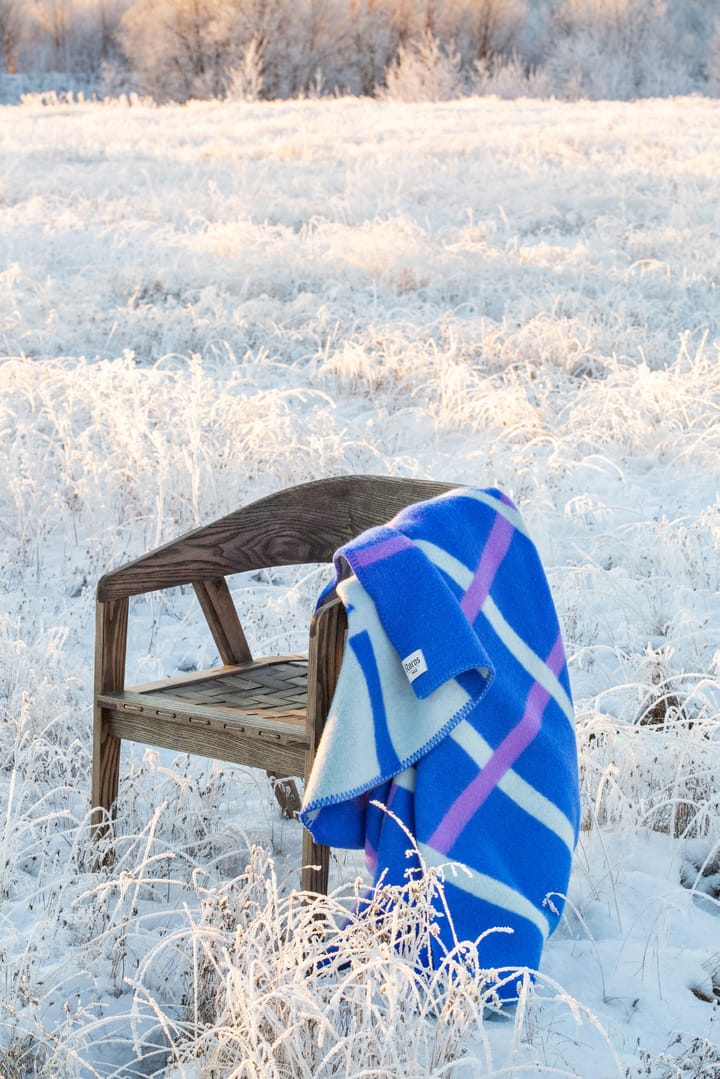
(453, 710)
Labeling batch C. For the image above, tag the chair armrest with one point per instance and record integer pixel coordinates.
(299, 525)
(285, 528)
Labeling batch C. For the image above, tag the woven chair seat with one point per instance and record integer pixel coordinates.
(254, 713)
(277, 689)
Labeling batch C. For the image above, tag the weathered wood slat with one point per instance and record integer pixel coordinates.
(229, 742)
(286, 727)
(327, 640)
(222, 618)
(286, 794)
(180, 680)
(111, 622)
(303, 524)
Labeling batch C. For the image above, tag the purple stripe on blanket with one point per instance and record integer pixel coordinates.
(467, 804)
(371, 856)
(366, 556)
(493, 553)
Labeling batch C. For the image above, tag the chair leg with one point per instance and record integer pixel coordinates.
(315, 865)
(325, 652)
(111, 621)
(105, 778)
(286, 795)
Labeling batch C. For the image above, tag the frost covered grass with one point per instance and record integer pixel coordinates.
(200, 305)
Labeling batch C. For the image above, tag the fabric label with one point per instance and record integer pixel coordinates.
(414, 665)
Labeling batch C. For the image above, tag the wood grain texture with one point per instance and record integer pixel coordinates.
(284, 727)
(302, 524)
(222, 618)
(268, 713)
(327, 641)
(286, 794)
(182, 681)
(204, 732)
(111, 620)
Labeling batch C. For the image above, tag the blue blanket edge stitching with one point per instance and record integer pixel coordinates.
(346, 796)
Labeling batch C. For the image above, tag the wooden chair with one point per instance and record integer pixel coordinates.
(267, 712)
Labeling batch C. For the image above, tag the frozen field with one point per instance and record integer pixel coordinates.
(199, 305)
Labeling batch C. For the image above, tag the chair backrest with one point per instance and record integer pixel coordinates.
(302, 524)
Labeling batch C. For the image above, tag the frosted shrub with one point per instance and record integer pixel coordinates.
(508, 77)
(714, 60)
(262, 1003)
(423, 71)
(658, 765)
(692, 26)
(245, 81)
(612, 48)
(182, 49)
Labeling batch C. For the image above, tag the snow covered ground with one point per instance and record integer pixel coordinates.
(199, 305)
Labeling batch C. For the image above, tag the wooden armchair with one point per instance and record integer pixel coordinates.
(267, 712)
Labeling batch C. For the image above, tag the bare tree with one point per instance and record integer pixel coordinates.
(176, 47)
(268, 22)
(184, 48)
(108, 16)
(11, 30)
(372, 41)
(486, 28)
(53, 18)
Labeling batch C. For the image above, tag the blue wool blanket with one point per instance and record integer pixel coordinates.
(453, 712)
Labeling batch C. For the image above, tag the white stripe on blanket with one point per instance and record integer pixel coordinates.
(519, 790)
(411, 723)
(485, 888)
(454, 568)
(530, 661)
(406, 779)
(524, 655)
(510, 513)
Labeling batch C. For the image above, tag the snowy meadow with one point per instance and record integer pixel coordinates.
(202, 304)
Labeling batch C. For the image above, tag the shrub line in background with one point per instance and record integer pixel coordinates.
(415, 50)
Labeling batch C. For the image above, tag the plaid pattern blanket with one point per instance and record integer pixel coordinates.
(453, 710)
